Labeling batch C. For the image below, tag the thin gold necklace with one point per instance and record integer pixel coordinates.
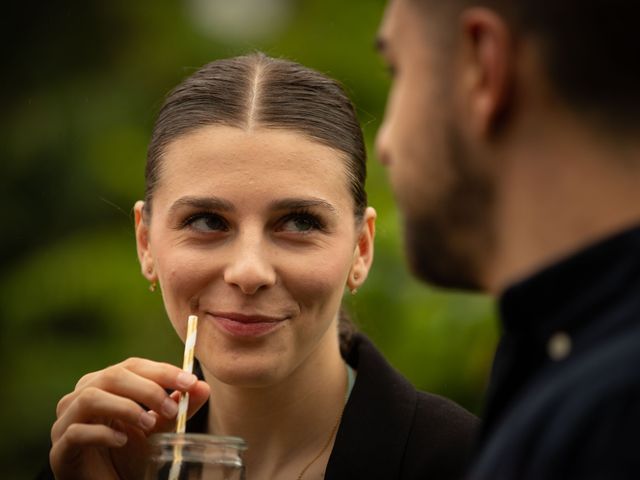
(334, 430)
(324, 448)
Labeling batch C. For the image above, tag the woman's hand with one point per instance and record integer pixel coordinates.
(101, 427)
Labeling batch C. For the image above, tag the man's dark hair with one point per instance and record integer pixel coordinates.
(591, 49)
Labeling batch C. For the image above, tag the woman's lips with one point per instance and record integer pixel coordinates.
(240, 325)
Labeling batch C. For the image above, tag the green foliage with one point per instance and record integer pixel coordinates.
(85, 82)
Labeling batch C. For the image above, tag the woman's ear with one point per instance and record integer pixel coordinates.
(142, 242)
(363, 253)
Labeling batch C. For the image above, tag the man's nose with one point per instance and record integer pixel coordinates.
(381, 145)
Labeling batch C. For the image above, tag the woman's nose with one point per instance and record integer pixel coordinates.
(249, 268)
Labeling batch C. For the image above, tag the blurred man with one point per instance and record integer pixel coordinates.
(512, 140)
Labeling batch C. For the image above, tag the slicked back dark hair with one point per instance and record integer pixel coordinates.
(259, 91)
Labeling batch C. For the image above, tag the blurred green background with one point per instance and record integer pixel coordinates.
(83, 81)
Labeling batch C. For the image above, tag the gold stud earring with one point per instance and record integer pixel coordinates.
(153, 284)
(355, 277)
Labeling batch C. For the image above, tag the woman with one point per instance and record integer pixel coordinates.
(255, 219)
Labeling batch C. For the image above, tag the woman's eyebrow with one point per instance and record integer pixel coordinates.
(298, 203)
(204, 203)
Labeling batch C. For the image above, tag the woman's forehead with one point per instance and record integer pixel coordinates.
(263, 162)
(225, 136)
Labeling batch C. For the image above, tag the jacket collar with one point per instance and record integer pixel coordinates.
(364, 433)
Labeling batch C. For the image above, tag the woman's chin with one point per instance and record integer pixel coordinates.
(248, 376)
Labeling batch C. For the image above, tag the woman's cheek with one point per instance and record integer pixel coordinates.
(184, 271)
(319, 284)
(180, 281)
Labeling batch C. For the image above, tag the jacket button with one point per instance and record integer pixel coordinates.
(559, 346)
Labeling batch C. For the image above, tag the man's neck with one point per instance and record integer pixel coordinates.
(561, 190)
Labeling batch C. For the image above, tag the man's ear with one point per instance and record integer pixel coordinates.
(486, 72)
(142, 242)
(363, 253)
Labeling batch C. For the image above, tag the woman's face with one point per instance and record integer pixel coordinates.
(254, 232)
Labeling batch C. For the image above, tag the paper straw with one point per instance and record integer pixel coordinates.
(183, 404)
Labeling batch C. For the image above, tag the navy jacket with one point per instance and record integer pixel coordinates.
(564, 399)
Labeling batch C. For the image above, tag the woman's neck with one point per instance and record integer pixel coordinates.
(287, 424)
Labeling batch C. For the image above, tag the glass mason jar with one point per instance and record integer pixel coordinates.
(195, 456)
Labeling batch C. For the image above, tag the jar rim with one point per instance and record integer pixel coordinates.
(197, 438)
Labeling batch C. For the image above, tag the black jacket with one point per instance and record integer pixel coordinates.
(564, 399)
(391, 431)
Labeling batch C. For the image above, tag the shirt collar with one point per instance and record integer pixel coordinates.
(568, 295)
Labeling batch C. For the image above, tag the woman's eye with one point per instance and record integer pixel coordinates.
(301, 223)
(207, 222)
